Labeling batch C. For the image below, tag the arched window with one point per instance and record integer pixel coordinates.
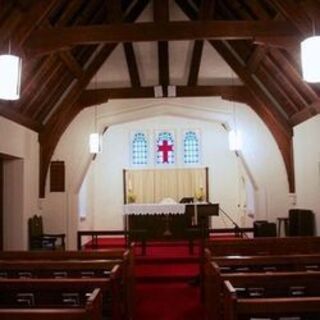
(139, 149)
(165, 148)
(191, 148)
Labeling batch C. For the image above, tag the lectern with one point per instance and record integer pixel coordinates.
(198, 217)
(199, 214)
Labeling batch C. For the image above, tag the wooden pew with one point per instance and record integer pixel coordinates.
(216, 274)
(90, 309)
(127, 265)
(272, 296)
(56, 269)
(257, 246)
(75, 269)
(295, 262)
(67, 255)
(264, 246)
(41, 291)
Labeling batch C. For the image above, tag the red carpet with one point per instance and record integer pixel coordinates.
(162, 278)
(168, 301)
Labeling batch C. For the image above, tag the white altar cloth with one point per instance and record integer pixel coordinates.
(154, 208)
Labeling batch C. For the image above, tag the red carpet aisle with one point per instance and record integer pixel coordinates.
(168, 301)
(163, 291)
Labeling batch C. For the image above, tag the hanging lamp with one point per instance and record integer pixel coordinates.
(310, 62)
(10, 76)
(95, 141)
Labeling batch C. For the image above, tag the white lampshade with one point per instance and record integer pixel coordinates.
(310, 62)
(235, 141)
(95, 143)
(10, 77)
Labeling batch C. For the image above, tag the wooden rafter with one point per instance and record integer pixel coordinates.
(161, 15)
(44, 105)
(115, 13)
(205, 13)
(68, 107)
(132, 64)
(92, 97)
(52, 74)
(47, 40)
(281, 78)
(71, 63)
(32, 19)
(7, 111)
(260, 101)
(297, 17)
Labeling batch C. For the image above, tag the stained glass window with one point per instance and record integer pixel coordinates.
(191, 148)
(165, 148)
(139, 149)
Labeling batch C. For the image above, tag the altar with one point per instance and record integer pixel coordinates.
(168, 221)
(154, 208)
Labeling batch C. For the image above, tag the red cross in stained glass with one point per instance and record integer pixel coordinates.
(165, 148)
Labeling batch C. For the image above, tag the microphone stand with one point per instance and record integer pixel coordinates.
(237, 229)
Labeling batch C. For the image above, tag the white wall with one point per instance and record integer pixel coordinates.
(108, 167)
(260, 153)
(307, 166)
(21, 181)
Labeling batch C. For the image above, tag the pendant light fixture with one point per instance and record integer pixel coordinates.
(310, 63)
(10, 76)
(95, 139)
(310, 52)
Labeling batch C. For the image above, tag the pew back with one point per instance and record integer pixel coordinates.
(264, 246)
(236, 307)
(88, 309)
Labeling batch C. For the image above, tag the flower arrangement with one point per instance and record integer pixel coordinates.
(131, 196)
(199, 195)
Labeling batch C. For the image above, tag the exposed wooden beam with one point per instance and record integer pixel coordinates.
(293, 13)
(161, 15)
(46, 40)
(114, 15)
(256, 57)
(7, 111)
(114, 12)
(93, 97)
(71, 63)
(287, 43)
(31, 18)
(287, 68)
(30, 105)
(205, 13)
(260, 102)
(68, 107)
(195, 62)
(132, 64)
(256, 88)
(306, 113)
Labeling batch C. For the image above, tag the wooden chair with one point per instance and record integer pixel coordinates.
(41, 241)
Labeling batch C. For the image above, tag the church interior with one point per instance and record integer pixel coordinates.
(159, 159)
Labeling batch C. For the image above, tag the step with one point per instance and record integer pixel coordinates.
(167, 269)
(139, 260)
(166, 279)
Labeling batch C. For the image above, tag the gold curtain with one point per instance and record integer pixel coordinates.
(152, 186)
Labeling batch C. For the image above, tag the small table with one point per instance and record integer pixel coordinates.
(285, 221)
